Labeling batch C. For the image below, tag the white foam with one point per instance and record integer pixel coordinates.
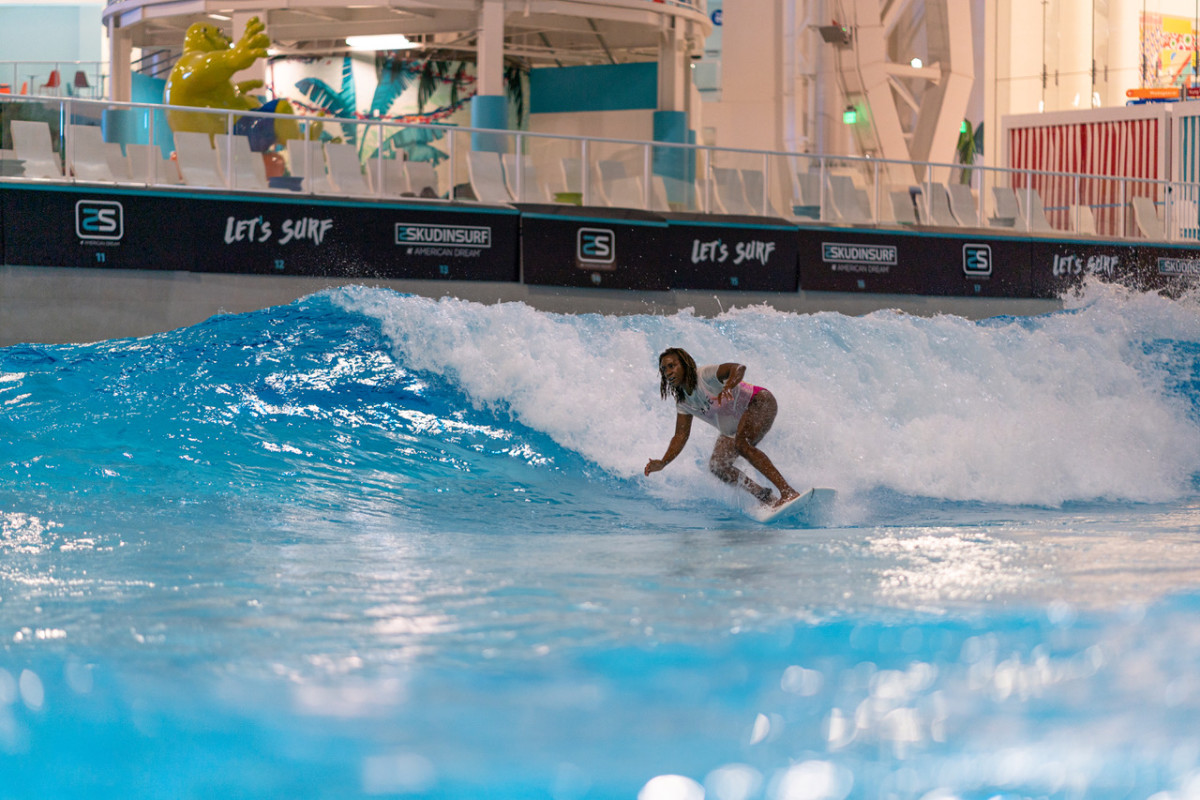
(1023, 411)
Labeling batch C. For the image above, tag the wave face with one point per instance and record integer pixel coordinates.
(1094, 403)
(374, 544)
(359, 390)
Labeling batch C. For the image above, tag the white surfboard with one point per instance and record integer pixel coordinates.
(804, 508)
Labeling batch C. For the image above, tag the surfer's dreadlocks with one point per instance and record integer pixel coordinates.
(689, 374)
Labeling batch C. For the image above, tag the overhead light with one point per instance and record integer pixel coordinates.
(387, 41)
(916, 63)
(850, 115)
(221, 17)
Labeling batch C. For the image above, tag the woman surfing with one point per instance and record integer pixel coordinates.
(741, 412)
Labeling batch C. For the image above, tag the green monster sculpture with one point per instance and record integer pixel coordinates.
(202, 79)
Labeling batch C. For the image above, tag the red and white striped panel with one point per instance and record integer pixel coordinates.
(1122, 148)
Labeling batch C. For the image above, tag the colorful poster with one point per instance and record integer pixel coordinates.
(1168, 50)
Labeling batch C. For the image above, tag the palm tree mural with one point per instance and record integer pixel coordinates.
(394, 76)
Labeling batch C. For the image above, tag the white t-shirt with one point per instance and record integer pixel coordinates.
(702, 403)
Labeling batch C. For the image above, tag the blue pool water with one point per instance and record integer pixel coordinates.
(376, 545)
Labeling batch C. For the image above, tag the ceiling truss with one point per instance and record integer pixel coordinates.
(537, 32)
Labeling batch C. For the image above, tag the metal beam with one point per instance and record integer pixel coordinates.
(600, 38)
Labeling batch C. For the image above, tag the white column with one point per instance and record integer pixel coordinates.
(673, 77)
(120, 50)
(1124, 51)
(489, 106)
(991, 95)
(1074, 58)
(491, 48)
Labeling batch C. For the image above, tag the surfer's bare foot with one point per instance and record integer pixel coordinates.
(790, 494)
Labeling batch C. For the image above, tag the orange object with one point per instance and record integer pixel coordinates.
(54, 82)
(1154, 93)
(273, 165)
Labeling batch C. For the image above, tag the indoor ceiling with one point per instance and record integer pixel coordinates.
(537, 32)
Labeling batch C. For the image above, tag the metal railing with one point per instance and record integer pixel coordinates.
(398, 161)
(155, 63)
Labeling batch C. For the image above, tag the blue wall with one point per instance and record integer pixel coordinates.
(610, 87)
(50, 33)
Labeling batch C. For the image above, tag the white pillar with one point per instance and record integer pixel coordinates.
(1124, 50)
(489, 106)
(1074, 57)
(673, 69)
(991, 95)
(120, 51)
(491, 48)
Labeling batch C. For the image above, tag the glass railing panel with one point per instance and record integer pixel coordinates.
(1184, 212)
(33, 138)
(616, 172)
(534, 170)
(1145, 209)
(560, 165)
(997, 200)
(476, 162)
(848, 194)
(804, 173)
(735, 182)
(775, 194)
(1097, 210)
(403, 161)
(91, 147)
(96, 141)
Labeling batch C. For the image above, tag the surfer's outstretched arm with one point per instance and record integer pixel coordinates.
(683, 429)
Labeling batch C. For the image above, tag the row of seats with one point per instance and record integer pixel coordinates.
(954, 205)
(328, 168)
(494, 179)
(320, 167)
(928, 204)
(333, 168)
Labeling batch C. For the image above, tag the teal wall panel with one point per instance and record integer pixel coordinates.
(490, 111)
(608, 87)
